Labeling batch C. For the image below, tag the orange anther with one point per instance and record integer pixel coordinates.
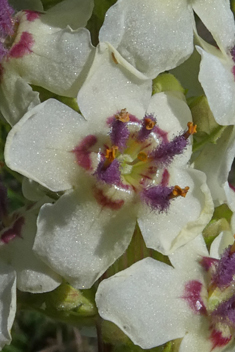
(149, 124)
(114, 58)
(123, 116)
(142, 156)
(192, 129)
(111, 153)
(179, 192)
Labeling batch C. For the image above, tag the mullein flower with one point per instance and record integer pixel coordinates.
(41, 49)
(193, 299)
(17, 233)
(158, 35)
(124, 163)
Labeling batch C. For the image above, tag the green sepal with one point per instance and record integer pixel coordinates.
(166, 82)
(208, 131)
(47, 4)
(219, 222)
(66, 304)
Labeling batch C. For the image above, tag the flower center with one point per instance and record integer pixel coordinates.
(135, 158)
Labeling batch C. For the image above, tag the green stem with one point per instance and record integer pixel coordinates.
(210, 138)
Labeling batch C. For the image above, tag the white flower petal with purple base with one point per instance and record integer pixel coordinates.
(218, 18)
(73, 13)
(198, 340)
(152, 35)
(32, 274)
(220, 243)
(217, 81)
(79, 238)
(111, 87)
(45, 154)
(185, 218)
(145, 301)
(221, 156)
(7, 303)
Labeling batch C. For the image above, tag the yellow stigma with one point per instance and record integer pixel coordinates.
(179, 192)
(192, 129)
(123, 116)
(142, 156)
(149, 124)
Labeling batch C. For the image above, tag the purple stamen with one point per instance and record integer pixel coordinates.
(145, 130)
(6, 23)
(225, 312)
(119, 133)
(109, 174)
(157, 197)
(165, 152)
(226, 269)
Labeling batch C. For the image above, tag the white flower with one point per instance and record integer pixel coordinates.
(41, 49)
(155, 36)
(117, 167)
(17, 233)
(154, 303)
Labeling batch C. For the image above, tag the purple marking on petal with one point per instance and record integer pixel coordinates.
(6, 22)
(233, 72)
(107, 202)
(144, 132)
(23, 47)
(3, 201)
(165, 178)
(165, 152)
(225, 312)
(157, 197)
(133, 118)
(119, 134)
(82, 152)
(32, 15)
(218, 340)
(111, 174)
(232, 52)
(207, 263)
(14, 231)
(192, 294)
(162, 134)
(225, 270)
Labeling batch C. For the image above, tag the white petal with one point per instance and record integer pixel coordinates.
(16, 95)
(73, 13)
(188, 255)
(111, 87)
(185, 218)
(217, 81)
(40, 145)
(145, 302)
(58, 59)
(172, 116)
(32, 190)
(218, 18)
(215, 161)
(32, 274)
(197, 340)
(152, 35)
(7, 302)
(80, 239)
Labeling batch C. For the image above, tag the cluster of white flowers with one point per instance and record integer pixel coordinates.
(142, 153)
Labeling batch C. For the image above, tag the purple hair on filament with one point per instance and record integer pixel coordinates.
(157, 197)
(225, 270)
(165, 152)
(109, 174)
(119, 134)
(145, 132)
